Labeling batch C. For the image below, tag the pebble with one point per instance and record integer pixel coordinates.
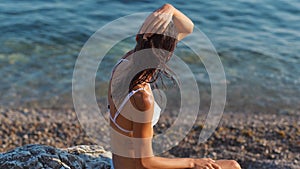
(250, 141)
(25, 136)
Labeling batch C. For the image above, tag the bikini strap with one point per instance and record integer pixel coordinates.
(125, 100)
(120, 109)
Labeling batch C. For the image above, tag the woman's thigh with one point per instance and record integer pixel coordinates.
(228, 164)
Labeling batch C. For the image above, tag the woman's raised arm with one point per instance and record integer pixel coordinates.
(183, 24)
(158, 21)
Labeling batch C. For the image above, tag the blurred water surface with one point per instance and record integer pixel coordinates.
(258, 42)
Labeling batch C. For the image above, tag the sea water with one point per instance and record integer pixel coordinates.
(258, 43)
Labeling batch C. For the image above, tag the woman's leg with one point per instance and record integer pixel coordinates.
(228, 164)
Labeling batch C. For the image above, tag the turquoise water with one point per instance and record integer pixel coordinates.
(258, 42)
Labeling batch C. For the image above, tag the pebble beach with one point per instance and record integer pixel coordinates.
(255, 140)
(256, 41)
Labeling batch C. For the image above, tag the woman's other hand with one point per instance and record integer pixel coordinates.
(158, 21)
(205, 163)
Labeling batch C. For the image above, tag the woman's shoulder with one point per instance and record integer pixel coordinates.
(142, 100)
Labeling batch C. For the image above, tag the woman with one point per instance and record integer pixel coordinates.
(133, 110)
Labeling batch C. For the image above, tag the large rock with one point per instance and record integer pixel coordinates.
(40, 156)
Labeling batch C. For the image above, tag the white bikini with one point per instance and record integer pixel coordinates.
(156, 113)
(155, 117)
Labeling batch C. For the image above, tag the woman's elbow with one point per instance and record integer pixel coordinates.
(146, 162)
(191, 28)
(185, 33)
(188, 29)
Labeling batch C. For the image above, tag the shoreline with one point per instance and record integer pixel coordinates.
(250, 138)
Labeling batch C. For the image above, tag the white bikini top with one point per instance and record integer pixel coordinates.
(155, 117)
(156, 113)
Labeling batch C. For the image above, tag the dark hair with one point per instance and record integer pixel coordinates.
(158, 49)
(162, 48)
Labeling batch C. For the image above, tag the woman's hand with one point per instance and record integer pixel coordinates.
(205, 163)
(158, 21)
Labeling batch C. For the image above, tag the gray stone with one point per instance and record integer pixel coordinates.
(35, 156)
